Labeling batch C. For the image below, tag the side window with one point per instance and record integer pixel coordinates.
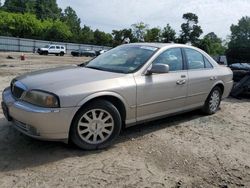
(57, 47)
(172, 58)
(207, 63)
(62, 47)
(52, 47)
(194, 59)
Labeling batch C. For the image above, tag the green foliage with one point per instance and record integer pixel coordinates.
(57, 31)
(71, 19)
(212, 44)
(86, 35)
(19, 25)
(139, 31)
(153, 35)
(45, 9)
(120, 35)
(168, 34)
(27, 25)
(18, 6)
(239, 46)
(240, 34)
(43, 19)
(190, 31)
(102, 38)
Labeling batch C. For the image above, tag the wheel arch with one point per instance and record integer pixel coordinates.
(114, 98)
(220, 84)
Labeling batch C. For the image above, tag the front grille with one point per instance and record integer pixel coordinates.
(15, 90)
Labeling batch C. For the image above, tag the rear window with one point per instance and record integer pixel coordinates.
(62, 47)
(196, 60)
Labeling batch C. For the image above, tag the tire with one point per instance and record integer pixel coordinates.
(212, 102)
(61, 53)
(56, 54)
(45, 52)
(91, 133)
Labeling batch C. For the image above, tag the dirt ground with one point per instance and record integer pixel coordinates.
(189, 150)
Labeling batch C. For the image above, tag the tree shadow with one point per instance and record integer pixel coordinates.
(18, 151)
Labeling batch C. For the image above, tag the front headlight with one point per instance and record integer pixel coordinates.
(41, 98)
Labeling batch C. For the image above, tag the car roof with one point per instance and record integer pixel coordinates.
(159, 45)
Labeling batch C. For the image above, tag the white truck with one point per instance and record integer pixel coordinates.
(52, 49)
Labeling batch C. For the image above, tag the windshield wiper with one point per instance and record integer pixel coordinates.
(97, 68)
(83, 64)
(104, 69)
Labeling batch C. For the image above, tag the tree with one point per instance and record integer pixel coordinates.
(19, 25)
(139, 30)
(102, 38)
(47, 9)
(168, 34)
(153, 35)
(42, 8)
(86, 35)
(190, 31)
(240, 33)
(71, 19)
(239, 45)
(56, 30)
(15, 6)
(212, 44)
(120, 35)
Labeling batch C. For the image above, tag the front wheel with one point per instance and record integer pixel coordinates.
(96, 126)
(213, 101)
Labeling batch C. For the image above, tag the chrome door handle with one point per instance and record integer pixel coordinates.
(180, 82)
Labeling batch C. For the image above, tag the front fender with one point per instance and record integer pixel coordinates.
(102, 94)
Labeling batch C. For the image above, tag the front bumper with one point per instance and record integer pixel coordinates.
(38, 122)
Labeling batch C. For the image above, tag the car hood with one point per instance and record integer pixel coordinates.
(59, 79)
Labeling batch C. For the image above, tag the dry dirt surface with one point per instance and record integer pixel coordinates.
(189, 150)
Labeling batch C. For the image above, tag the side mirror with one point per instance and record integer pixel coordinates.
(158, 69)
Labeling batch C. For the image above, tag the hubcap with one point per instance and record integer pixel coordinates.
(95, 126)
(214, 100)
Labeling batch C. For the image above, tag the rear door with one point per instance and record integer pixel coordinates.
(201, 76)
(58, 49)
(160, 94)
(52, 49)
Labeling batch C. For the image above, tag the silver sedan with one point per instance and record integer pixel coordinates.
(130, 84)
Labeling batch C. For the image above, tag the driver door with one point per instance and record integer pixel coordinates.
(161, 94)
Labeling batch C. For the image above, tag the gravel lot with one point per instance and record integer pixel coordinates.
(189, 150)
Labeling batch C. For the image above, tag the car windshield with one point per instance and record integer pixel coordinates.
(123, 59)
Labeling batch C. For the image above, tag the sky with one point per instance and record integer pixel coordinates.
(106, 15)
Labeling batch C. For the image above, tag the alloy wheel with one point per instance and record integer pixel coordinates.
(214, 100)
(95, 126)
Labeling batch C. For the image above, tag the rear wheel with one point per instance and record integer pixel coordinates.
(61, 53)
(96, 126)
(213, 101)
